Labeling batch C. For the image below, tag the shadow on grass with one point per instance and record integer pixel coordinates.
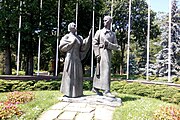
(129, 98)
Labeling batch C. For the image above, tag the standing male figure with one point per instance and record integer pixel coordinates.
(104, 42)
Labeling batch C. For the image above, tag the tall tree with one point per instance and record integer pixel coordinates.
(8, 34)
(162, 56)
(138, 25)
(30, 29)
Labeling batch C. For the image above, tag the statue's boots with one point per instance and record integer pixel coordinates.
(107, 93)
(95, 90)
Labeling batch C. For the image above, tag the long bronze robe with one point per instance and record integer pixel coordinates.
(103, 50)
(72, 79)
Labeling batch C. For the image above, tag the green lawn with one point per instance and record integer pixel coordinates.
(138, 108)
(134, 107)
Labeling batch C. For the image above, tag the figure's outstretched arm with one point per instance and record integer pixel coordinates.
(86, 45)
(66, 43)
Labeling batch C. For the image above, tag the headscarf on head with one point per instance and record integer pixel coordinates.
(71, 25)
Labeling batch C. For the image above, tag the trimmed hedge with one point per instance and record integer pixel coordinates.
(162, 92)
(18, 85)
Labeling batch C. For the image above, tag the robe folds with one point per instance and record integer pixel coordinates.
(104, 42)
(72, 79)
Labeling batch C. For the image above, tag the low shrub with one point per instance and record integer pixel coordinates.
(18, 85)
(167, 113)
(162, 92)
(87, 85)
(176, 98)
(176, 80)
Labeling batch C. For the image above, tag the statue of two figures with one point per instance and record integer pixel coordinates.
(76, 48)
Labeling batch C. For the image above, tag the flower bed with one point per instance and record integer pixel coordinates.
(167, 113)
(9, 108)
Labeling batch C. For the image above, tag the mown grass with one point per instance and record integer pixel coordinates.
(138, 108)
(134, 107)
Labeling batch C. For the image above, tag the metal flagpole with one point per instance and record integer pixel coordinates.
(92, 57)
(57, 48)
(39, 47)
(76, 13)
(169, 45)
(129, 28)
(111, 12)
(99, 23)
(148, 36)
(19, 39)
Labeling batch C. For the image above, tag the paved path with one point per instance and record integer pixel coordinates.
(83, 108)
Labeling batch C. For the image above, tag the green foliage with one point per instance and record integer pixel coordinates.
(87, 85)
(123, 77)
(162, 92)
(176, 80)
(17, 85)
(14, 72)
(138, 108)
(167, 113)
(139, 18)
(176, 98)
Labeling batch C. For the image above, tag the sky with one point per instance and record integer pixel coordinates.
(160, 5)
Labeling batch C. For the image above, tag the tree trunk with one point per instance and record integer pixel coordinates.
(54, 65)
(8, 67)
(29, 57)
(122, 59)
(29, 60)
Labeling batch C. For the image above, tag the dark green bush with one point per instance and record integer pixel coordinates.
(176, 98)
(162, 92)
(176, 80)
(18, 85)
(118, 86)
(87, 85)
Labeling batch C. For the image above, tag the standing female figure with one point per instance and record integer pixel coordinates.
(76, 49)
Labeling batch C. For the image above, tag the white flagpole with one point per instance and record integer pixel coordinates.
(169, 45)
(99, 23)
(19, 39)
(148, 37)
(111, 12)
(92, 57)
(76, 14)
(57, 48)
(39, 46)
(129, 30)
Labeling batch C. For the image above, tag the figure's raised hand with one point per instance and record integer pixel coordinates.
(90, 32)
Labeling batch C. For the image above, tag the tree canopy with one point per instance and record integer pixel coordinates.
(31, 29)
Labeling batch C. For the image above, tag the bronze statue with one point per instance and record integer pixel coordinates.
(76, 49)
(104, 42)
